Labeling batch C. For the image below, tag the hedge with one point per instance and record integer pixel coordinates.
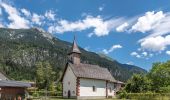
(146, 96)
(43, 93)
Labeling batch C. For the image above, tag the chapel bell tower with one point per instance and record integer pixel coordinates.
(74, 55)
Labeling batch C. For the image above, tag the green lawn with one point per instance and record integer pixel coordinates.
(72, 99)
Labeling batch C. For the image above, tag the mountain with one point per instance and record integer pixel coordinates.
(131, 68)
(21, 49)
(105, 56)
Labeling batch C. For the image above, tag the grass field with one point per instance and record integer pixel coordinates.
(71, 99)
(43, 98)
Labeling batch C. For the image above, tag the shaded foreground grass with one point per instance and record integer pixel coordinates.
(138, 98)
(128, 96)
(72, 99)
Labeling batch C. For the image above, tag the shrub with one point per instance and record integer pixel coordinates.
(148, 96)
(35, 94)
(122, 94)
(165, 89)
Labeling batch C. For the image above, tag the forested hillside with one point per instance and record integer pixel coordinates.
(21, 49)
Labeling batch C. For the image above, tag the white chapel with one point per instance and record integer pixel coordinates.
(86, 81)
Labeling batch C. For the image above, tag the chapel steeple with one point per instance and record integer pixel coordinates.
(74, 55)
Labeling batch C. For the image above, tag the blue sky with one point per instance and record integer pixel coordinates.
(131, 31)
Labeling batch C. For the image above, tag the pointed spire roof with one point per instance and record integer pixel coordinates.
(75, 48)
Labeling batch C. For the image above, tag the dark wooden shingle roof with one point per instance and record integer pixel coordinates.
(91, 71)
(7, 83)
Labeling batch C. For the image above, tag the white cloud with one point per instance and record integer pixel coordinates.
(87, 48)
(158, 43)
(101, 8)
(144, 53)
(153, 23)
(135, 54)
(50, 15)
(130, 63)
(150, 55)
(26, 12)
(22, 18)
(100, 26)
(157, 40)
(37, 19)
(168, 52)
(149, 21)
(51, 29)
(122, 27)
(1, 25)
(139, 49)
(90, 34)
(105, 51)
(162, 28)
(14, 16)
(138, 56)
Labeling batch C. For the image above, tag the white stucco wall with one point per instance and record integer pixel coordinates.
(86, 87)
(112, 86)
(69, 77)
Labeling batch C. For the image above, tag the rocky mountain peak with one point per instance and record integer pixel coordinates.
(43, 32)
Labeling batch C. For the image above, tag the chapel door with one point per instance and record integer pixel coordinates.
(69, 94)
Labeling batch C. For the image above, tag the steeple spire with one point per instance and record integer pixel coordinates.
(74, 55)
(75, 48)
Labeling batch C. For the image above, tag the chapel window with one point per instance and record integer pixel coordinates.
(94, 89)
(110, 89)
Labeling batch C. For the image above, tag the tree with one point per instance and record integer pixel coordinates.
(45, 75)
(137, 84)
(59, 87)
(157, 80)
(160, 75)
(40, 75)
(49, 76)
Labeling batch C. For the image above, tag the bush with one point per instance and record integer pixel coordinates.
(43, 93)
(35, 94)
(122, 94)
(148, 96)
(165, 89)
